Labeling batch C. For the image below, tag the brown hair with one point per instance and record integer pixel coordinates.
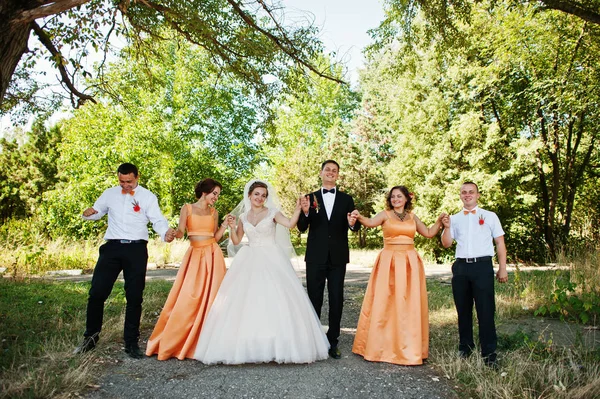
(388, 200)
(256, 185)
(206, 186)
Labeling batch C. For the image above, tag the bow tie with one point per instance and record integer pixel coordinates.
(332, 191)
(125, 192)
(473, 211)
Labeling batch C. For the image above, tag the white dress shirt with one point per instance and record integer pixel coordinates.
(328, 201)
(124, 223)
(474, 233)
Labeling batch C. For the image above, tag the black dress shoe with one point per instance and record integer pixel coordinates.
(335, 353)
(133, 350)
(491, 361)
(87, 345)
(463, 354)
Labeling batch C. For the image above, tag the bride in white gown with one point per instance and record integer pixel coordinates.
(261, 312)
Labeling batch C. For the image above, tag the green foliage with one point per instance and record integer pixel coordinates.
(176, 119)
(245, 41)
(28, 169)
(508, 106)
(570, 304)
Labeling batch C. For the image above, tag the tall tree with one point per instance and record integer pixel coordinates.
(509, 106)
(247, 39)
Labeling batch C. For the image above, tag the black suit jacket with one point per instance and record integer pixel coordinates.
(327, 239)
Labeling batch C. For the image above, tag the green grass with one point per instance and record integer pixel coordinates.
(43, 321)
(532, 366)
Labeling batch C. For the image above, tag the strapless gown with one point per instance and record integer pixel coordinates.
(194, 290)
(394, 321)
(261, 312)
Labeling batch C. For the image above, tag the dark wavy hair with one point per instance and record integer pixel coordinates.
(388, 200)
(206, 186)
(256, 185)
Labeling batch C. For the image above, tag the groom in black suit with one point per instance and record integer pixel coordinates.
(328, 212)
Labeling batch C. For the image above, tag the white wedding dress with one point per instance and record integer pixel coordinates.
(261, 312)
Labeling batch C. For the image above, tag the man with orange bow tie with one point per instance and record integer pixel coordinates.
(129, 207)
(475, 231)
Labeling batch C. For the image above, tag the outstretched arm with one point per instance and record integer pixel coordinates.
(370, 222)
(291, 222)
(183, 214)
(429, 231)
(446, 235)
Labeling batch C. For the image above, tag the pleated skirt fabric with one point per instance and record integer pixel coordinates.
(201, 272)
(394, 320)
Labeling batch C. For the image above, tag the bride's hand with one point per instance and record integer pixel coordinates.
(298, 204)
(231, 220)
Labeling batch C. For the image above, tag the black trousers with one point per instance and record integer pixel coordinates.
(316, 276)
(474, 282)
(115, 257)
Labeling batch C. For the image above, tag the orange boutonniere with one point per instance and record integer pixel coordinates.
(136, 206)
(315, 204)
(481, 220)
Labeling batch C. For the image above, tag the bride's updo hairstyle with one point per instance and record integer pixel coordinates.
(206, 186)
(256, 185)
(388, 200)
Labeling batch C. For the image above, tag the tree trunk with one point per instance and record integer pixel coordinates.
(13, 42)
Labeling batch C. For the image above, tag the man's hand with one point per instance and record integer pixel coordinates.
(170, 235)
(305, 204)
(502, 275)
(89, 212)
(445, 220)
(352, 218)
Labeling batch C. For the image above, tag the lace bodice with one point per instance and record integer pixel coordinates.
(263, 233)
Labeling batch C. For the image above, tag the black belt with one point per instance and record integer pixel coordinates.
(129, 241)
(475, 260)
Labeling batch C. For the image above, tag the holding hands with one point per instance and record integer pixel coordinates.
(170, 235)
(228, 221)
(445, 219)
(305, 203)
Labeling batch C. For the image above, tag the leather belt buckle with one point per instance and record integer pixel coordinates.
(126, 241)
(470, 260)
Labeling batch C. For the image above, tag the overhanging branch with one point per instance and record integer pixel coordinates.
(45, 40)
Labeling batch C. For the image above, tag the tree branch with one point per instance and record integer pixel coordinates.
(58, 59)
(571, 7)
(279, 42)
(48, 8)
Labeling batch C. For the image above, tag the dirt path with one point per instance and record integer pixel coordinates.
(349, 377)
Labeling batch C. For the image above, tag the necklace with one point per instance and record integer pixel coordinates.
(400, 216)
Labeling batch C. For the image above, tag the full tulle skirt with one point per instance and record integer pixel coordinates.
(194, 290)
(261, 314)
(394, 321)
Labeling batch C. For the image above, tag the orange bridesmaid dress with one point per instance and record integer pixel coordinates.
(394, 320)
(194, 290)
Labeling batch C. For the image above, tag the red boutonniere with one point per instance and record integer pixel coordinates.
(136, 206)
(481, 220)
(315, 204)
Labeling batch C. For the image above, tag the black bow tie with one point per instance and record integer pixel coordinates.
(332, 191)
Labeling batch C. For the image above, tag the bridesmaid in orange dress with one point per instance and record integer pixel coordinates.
(198, 279)
(394, 320)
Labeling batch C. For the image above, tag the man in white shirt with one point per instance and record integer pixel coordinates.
(129, 207)
(475, 230)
